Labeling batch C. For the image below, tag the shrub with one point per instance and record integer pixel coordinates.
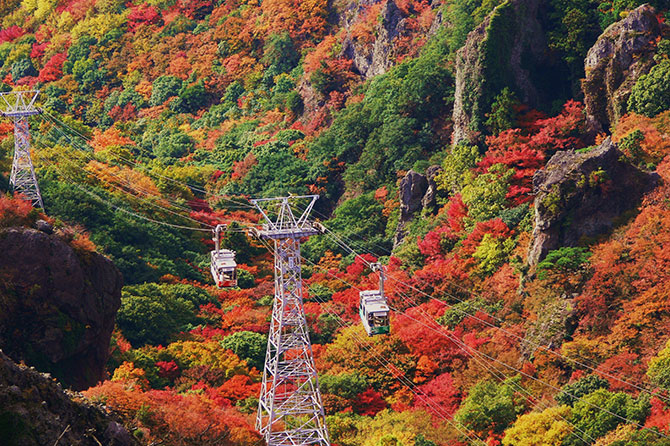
(580, 388)
(651, 93)
(247, 345)
(163, 88)
(153, 314)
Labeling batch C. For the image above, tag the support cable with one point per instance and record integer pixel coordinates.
(498, 374)
(592, 368)
(167, 178)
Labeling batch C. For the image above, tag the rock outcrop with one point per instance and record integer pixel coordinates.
(416, 192)
(581, 195)
(494, 56)
(622, 54)
(429, 200)
(35, 411)
(57, 305)
(372, 58)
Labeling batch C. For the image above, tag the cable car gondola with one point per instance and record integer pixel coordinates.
(373, 307)
(223, 266)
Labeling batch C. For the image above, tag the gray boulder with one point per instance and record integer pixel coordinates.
(580, 196)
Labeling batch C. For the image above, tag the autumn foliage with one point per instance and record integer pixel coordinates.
(175, 114)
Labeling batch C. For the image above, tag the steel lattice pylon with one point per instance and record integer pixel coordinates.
(290, 411)
(19, 105)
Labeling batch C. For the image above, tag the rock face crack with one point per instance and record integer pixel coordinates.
(57, 305)
(581, 196)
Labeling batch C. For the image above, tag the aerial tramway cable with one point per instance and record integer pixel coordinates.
(465, 347)
(495, 371)
(581, 363)
(455, 340)
(118, 208)
(422, 396)
(151, 203)
(338, 240)
(144, 200)
(89, 155)
(242, 204)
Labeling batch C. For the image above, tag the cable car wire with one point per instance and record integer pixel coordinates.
(477, 357)
(118, 208)
(341, 243)
(592, 368)
(460, 345)
(151, 203)
(89, 155)
(442, 333)
(129, 161)
(117, 187)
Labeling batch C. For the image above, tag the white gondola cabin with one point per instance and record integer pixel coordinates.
(373, 307)
(223, 265)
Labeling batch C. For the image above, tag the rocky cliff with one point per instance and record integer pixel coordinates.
(581, 196)
(57, 305)
(508, 49)
(622, 54)
(371, 58)
(35, 411)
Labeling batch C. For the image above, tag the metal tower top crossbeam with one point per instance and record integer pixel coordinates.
(285, 224)
(18, 104)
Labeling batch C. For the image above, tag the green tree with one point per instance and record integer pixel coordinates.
(345, 385)
(163, 88)
(486, 195)
(247, 345)
(489, 407)
(493, 252)
(580, 388)
(277, 172)
(173, 144)
(546, 428)
(631, 146)
(651, 93)
(602, 411)
(456, 313)
(279, 51)
(245, 279)
(191, 98)
(659, 368)
(564, 260)
(503, 112)
(131, 243)
(456, 167)
(319, 292)
(294, 102)
(153, 314)
(22, 68)
(647, 437)
(87, 73)
(359, 218)
(420, 440)
(326, 326)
